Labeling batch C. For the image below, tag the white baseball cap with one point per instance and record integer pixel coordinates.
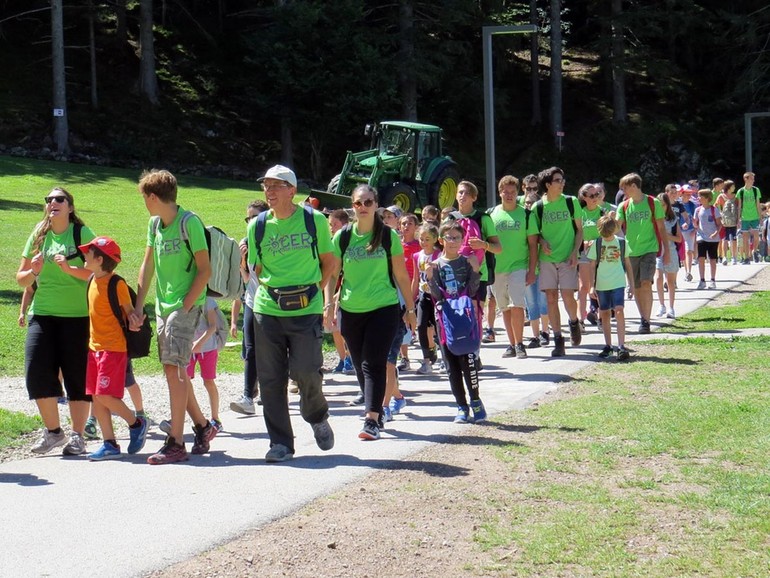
(281, 173)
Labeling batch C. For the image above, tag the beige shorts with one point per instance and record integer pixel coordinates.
(509, 289)
(558, 276)
(176, 333)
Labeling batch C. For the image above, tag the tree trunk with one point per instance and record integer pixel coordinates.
(148, 80)
(534, 63)
(556, 72)
(619, 114)
(121, 25)
(407, 76)
(92, 51)
(60, 122)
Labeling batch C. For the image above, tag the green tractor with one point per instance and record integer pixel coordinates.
(405, 164)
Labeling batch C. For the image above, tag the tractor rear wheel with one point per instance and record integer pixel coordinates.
(444, 190)
(399, 194)
(333, 184)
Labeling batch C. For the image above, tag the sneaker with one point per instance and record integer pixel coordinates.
(735, 261)
(463, 415)
(217, 425)
(441, 366)
(701, 284)
(203, 436)
(278, 453)
(582, 327)
(358, 400)
(137, 436)
(426, 368)
(544, 338)
(90, 432)
(347, 366)
(433, 355)
(509, 351)
(489, 336)
(724, 261)
(170, 453)
(521, 353)
(534, 343)
(756, 256)
(370, 431)
(746, 261)
(591, 317)
(340, 366)
(403, 365)
(324, 436)
(105, 452)
(479, 413)
(558, 347)
(671, 314)
(76, 446)
(244, 406)
(644, 327)
(48, 441)
(712, 284)
(623, 354)
(165, 427)
(575, 336)
(688, 277)
(661, 311)
(293, 386)
(397, 404)
(386, 415)
(606, 352)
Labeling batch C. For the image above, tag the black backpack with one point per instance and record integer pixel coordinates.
(347, 232)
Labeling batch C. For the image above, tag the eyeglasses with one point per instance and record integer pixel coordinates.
(557, 180)
(452, 239)
(367, 203)
(58, 199)
(531, 189)
(266, 187)
(593, 196)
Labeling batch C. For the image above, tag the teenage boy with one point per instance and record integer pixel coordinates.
(643, 229)
(181, 267)
(512, 266)
(556, 230)
(748, 197)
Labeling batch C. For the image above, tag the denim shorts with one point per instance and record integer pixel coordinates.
(611, 298)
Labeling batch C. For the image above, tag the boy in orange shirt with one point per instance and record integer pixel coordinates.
(107, 356)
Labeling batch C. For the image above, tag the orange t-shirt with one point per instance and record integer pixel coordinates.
(106, 334)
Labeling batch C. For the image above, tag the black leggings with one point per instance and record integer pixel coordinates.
(369, 336)
(459, 367)
(426, 318)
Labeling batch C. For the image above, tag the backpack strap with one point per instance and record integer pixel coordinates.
(186, 237)
(112, 295)
(598, 245)
(77, 236)
(539, 207)
(387, 245)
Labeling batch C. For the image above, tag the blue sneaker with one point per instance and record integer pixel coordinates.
(138, 436)
(387, 415)
(340, 367)
(347, 366)
(397, 404)
(479, 413)
(105, 452)
(463, 415)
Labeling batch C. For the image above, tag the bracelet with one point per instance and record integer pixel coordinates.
(410, 310)
(35, 274)
(327, 306)
(487, 242)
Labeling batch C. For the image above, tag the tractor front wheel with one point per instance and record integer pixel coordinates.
(333, 185)
(444, 191)
(401, 195)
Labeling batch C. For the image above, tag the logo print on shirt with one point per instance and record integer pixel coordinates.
(280, 244)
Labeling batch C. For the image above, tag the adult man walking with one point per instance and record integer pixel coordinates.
(291, 252)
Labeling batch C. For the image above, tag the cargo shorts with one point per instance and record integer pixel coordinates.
(176, 333)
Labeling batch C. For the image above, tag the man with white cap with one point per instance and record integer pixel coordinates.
(290, 250)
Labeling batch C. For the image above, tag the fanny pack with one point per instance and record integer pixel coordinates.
(293, 297)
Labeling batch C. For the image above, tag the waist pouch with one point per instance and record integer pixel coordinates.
(293, 297)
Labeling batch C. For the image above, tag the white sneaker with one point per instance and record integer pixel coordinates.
(245, 405)
(48, 441)
(661, 311)
(734, 261)
(75, 446)
(426, 368)
(671, 314)
(701, 284)
(724, 261)
(712, 285)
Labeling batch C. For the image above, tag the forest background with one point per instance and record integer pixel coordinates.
(228, 87)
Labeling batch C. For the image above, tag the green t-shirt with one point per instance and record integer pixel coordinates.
(57, 293)
(511, 229)
(172, 259)
(749, 198)
(590, 220)
(487, 230)
(610, 274)
(640, 227)
(557, 228)
(365, 284)
(287, 260)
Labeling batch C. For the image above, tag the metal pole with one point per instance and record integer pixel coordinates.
(747, 134)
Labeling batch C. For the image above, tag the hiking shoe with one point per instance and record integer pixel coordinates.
(712, 284)
(623, 354)
(245, 406)
(489, 336)
(76, 446)
(347, 366)
(544, 338)
(463, 415)
(217, 425)
(426, 368)
(644, 327)
(606, 352)
(293, 386)
(48, 441)
(370, 431)
(170, 453)
(521, 353)
(165, 426)
(105, 452)
(137, 436)
(203, 436)
(403, 365)
(340, 366)
(558, 347)
(90, 432)
(671, 314)
(661, 311)
(397, 404)
(324, 436)
(688, 277)
(358, 400)
(575, 335)
(509, 352)
(278, 453)
(534, 343)
(591, 317)
(479, 413)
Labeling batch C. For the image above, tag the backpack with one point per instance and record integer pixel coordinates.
(472, 229)
(478, 217)
(651, 204)
(220, 335)
(225, 281)
(730, 213)
(387, 243)
(137, 342)
(458, 323)
(307, 212)
(621, 244)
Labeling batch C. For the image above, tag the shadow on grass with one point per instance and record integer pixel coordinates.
(10, 296)
(8, 205)
(510, 427)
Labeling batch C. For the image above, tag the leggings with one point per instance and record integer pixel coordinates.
(369, 336)
(459, 367)
(426, 318)
(249, 354)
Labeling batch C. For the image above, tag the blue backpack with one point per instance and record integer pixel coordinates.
(459, 325)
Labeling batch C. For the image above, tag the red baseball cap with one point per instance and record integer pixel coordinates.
(105, 245)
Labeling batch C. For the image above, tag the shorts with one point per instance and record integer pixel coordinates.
(395, 347)
(749, 225)
(731, 233)
(176, 333)
(689, 240)
(643, 267)
(672, 267)
(558, 276)
(534, 298)
(509, 289)
(611, 298)
(707, 250)
(106, 373)
(52, 344)
(208, 363)
(583, 255)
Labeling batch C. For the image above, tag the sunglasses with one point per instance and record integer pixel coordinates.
(248, 219)
(367, 203)
(595, 195)
(58, 199)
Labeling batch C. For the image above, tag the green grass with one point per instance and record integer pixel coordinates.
(108, 201)
(14, 424)
(753, 312)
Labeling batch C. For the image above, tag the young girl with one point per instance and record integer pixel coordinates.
(408, 228)
(673, 236)
(426, 318)
(707, 222)
(452, 275)
(727, 204)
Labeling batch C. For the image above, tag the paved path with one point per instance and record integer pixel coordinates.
(69, 517)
